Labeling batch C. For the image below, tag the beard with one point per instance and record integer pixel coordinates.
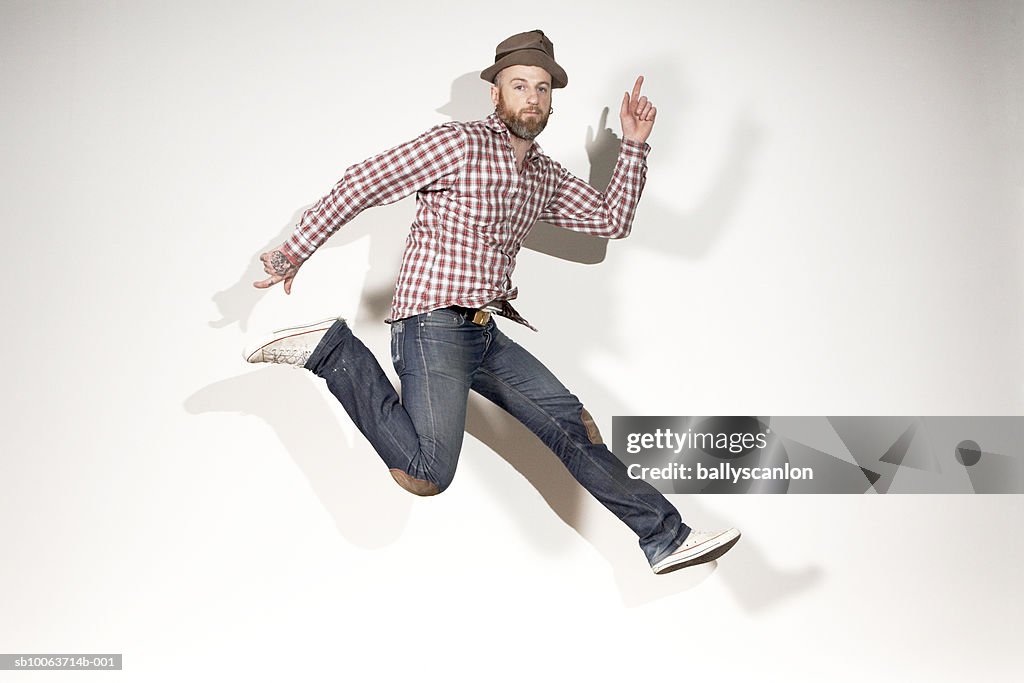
(518, 124)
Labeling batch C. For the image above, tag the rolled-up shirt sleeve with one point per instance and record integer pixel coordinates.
(578, 206)
(382, 179)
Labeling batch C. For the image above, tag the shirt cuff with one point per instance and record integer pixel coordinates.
(286, 249)
(631, 150)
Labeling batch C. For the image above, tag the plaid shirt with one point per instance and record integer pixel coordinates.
(473, 211)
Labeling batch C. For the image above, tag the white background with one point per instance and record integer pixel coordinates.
(832, 226)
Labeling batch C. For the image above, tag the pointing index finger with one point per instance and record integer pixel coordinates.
(636, 89)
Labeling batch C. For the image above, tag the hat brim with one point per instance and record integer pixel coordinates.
(528, 57)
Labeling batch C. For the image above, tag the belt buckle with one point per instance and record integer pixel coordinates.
(481, 317)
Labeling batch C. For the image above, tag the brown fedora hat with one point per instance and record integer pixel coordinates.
(528, 49)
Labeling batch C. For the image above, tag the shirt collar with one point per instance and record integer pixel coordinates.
(496, 125)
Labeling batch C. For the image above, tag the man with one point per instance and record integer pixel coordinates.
(480, 188)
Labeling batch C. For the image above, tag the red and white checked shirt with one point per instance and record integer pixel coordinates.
(473, 211)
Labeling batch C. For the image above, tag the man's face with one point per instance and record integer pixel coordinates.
(522, 99)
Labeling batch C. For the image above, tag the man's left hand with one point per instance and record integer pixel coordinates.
(637, 114)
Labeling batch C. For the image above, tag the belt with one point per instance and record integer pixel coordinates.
(477, 316)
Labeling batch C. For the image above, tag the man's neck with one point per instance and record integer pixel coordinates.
(520, 147)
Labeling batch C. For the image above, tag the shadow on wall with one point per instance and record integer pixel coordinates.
(367, 508)
(348, 487)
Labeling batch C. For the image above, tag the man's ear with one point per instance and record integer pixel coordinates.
(494, 95)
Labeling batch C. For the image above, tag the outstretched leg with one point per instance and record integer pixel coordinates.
(515, 380)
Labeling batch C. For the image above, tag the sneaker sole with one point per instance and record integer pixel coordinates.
(284, 333)
(701, 554)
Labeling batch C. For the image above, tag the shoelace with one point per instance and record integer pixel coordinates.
(293, 355)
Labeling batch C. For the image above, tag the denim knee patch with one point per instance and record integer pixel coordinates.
(420, 487)
(593, 433)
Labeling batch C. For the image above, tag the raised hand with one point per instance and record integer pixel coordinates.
(279, 268)
(636, 114)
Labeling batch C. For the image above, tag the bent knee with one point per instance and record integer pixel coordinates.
(419, 487)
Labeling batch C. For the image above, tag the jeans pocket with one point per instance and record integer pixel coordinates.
(441, 317)
(397, 343)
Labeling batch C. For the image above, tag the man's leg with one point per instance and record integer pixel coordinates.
(513, 379)
(418, 437)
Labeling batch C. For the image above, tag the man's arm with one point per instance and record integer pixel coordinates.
(578, 206)
(379, 180)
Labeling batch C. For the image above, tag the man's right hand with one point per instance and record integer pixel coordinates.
(279, 268)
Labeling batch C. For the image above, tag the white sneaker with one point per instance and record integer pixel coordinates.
(698, 548)
(291, 346)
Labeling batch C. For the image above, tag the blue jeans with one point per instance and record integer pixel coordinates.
(439, 356)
